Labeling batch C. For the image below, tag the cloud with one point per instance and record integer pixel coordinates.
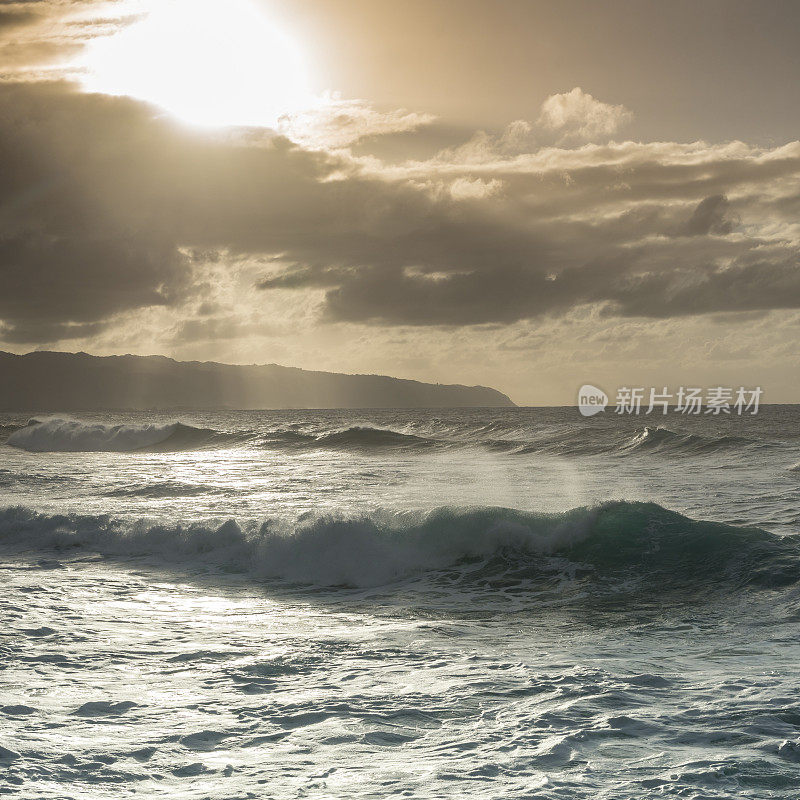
(16, 16)
(84, 275)
(474, 188)
(340, 123)
(576, 115)
(39, 37)
(109, 208)
(36, 332)
(710, 217)
(517, 137)
(638, 229)
(565, 119)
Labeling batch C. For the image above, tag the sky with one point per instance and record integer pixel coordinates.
(528, 195)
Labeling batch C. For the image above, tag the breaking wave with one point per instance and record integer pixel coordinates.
(57, 434)
(614, 545)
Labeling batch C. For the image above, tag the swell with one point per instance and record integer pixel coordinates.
(607, 548)
(657, 438)
(367, 436)
(355, 436)
(57, 434)
(569, 442)
(651, 439)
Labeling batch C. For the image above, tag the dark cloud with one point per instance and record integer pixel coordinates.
(15, 17)
(83, 276)
(709, 217)
(475, 297)
(66, 256)
(98, 195)
(108, 207)
(743, 287)
(36, 332)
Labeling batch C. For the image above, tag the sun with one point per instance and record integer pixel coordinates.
(209, 62)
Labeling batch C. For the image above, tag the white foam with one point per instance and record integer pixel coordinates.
(323, 550)
(58, 434)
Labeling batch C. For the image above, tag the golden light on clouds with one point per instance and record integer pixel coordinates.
(206, 62)
(471, 196)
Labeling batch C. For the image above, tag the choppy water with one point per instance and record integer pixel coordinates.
(509, 603)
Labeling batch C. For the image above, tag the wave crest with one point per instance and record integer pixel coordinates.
(356, 437)
(57, 434)
(369, 436)
(614, 544)
(658, 438)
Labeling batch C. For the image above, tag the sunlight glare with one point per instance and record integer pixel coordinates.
(205, 61)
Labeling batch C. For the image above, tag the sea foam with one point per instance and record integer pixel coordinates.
(58, 434)
(642, 541)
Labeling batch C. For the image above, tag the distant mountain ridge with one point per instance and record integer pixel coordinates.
(48, 381)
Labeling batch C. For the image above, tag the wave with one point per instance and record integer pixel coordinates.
(617, 546)
(658, 438)
(7, 430)
(655, 439)
(57, 434)
(356, 436)
(368, 436)
(566, 443)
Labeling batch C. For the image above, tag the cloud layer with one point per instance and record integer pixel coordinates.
(105, 201)
(369, 238)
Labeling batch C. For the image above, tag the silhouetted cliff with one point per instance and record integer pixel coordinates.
(47, 381)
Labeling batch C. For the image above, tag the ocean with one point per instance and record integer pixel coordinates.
(519, 603)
